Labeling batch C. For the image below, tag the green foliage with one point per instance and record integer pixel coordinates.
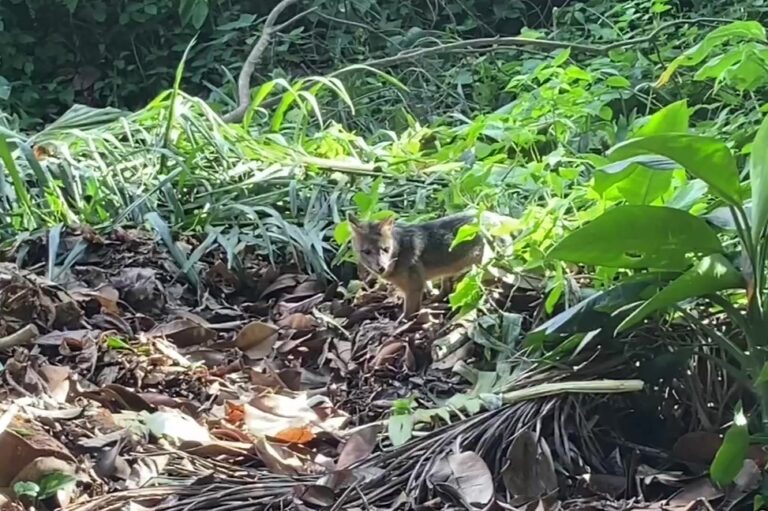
(730, 457)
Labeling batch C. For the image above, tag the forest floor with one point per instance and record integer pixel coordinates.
(267, 390)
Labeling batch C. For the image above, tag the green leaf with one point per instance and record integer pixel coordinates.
(52, 483)
(758, 175)
(596, 311)
(639, 237)
(468, 292)
(706, 158)
(342, 232)
(730, 457)
(400, 428)
(194, 12)
(26, 488)
(672, 118)
(618, 82)
(466, 232)
(712, 274)
(561, 57)
(738, 30)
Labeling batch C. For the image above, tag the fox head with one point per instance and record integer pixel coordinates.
(374, 243)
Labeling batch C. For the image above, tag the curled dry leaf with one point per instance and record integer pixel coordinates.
(256, 339)
(184, 333)
(281, 459)
(464, 477)
(294, 429)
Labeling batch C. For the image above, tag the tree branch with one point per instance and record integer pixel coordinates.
(495, 43)
(244, 80)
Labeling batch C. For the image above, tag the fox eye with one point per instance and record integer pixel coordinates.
(367, 251)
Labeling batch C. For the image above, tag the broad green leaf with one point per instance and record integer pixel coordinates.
(730, 457)
(712, 274)
(672, 118)
(637, 181)
(639, 237)
(706, 158)
(758, 175)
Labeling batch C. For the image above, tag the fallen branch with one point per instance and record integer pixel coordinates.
(24, 336)
(244, 80)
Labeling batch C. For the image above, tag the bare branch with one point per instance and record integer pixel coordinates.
(244, 80)
(489, 44)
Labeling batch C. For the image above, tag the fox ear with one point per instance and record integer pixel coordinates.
(387, 225)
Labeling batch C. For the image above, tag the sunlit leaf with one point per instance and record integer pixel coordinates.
(639, 237)
(707, 158)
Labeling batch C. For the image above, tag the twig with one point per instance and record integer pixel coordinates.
(24, 336)
(244, 80)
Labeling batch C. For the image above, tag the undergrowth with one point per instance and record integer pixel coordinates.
(529, 132)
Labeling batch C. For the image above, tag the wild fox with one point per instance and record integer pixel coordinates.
(409, 256)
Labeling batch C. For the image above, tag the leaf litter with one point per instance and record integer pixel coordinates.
(269, 389)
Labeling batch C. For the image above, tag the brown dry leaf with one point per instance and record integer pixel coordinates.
(298, 321)
(106, 296)
(464, 477)
(285, 418)
(358, 447)
(256, 339)
(117, 397)
(529, 472)
(184, 333)
(281, 459)
(282, 283)
(57, 379)
(17, 451)
(304, 306)
(698, 490)
(74, 338)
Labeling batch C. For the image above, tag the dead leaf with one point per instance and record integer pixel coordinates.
(177, 426)
(298, 321)
(106, 296)
(74, 338)
(281, 283)
(464, 477)
(358, 447)
(256, 339)
(16, 452)
(529, 472)
(184, 333)
(315, 494)
(281, 459)
(57, 380)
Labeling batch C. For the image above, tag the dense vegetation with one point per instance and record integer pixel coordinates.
(626, 138)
